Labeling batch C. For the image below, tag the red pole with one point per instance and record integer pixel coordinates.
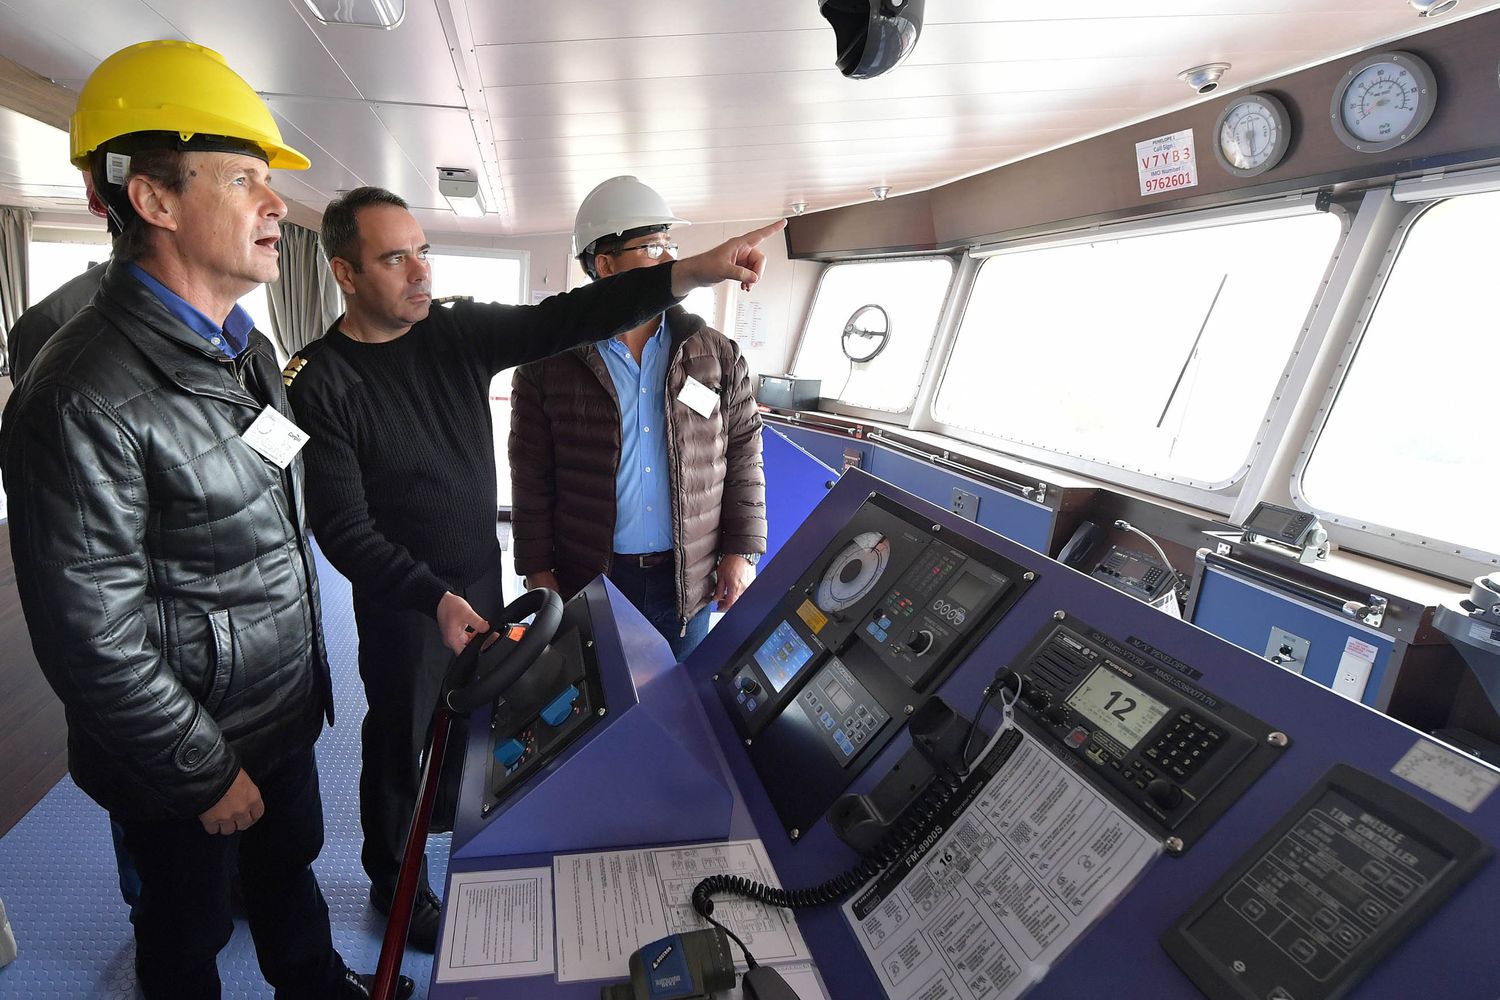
(394, 945)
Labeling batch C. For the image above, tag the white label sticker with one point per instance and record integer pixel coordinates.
(1167, 163)
(275, 437)
(116, 168)
(698, 397)
(1447, 774)
(1487, 634)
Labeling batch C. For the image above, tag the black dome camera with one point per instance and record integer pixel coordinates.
(872, 35)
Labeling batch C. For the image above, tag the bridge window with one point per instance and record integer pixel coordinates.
(489, 276)
(1407, 447)
(909, 296)
(1159, 353)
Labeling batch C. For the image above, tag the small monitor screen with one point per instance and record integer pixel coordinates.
(967, 591)
(839, 698)
(782, 655)
(1116, 706)
(1275, 522)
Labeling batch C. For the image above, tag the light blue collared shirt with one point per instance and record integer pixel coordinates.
(229, 340)
(643, 488)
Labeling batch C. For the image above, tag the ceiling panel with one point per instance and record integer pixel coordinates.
(410, 64)
(65, 39)
(352, 135)
(733, 110)
(266, 42)
(1115, 38)
(513, 23)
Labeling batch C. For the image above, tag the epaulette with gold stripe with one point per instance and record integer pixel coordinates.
(290, 372)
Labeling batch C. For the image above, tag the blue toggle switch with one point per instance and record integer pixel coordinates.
(557, 713)
(509, 752)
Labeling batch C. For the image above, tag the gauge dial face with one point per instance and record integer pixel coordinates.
(1383, 101)
(854, 572)
(1253, 134)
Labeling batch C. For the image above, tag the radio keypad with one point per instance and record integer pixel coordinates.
(1183, 748)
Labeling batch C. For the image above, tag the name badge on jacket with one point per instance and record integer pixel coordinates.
(698, 397)
(275, 437)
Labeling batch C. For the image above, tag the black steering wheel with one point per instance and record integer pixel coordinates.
(484, 675)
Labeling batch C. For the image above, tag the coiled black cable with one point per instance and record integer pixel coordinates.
(919, 821)
(916, 824)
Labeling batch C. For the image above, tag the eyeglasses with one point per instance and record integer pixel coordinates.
(652, 250)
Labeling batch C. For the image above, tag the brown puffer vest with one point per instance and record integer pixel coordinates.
(565, 441)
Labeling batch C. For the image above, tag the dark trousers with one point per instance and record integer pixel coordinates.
(402, 661)
(654, 593)
(182, 918)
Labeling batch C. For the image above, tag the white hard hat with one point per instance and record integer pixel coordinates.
(617, 206)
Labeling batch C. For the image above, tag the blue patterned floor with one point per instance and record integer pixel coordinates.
(57, 871)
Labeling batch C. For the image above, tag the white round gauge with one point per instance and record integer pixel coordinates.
(854, 571)
(1383, 101)
(1252, 135)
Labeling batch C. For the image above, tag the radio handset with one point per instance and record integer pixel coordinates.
(903, 810)
(1077, 548)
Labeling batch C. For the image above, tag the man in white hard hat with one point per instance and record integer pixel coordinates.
(401, 474)
(639, 456)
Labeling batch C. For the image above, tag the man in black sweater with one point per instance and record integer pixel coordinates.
(401, 470)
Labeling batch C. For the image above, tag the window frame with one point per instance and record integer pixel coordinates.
(1387, 542)
(1218, 497)
(939, 335)
(524, 297)
(523, 257)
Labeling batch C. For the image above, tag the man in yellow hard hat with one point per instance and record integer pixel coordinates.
(156, 526)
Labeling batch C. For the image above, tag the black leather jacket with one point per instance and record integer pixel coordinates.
(163, 566)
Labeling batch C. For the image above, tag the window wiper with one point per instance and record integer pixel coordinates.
(1191, 351)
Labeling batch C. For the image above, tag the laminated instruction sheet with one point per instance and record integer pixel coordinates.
(1031, 858)
(610, 904)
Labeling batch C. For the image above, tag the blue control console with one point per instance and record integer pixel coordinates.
(850, 671)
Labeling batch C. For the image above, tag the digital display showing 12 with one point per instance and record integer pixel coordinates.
(1116, 706)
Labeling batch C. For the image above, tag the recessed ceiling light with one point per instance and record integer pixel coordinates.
(362, 13)
(798, 207)
(880, 192)
(1432, 8)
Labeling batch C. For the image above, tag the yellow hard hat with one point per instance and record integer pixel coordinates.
(174, 86)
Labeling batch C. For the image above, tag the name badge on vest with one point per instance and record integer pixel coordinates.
(275, 437)
(698, 397)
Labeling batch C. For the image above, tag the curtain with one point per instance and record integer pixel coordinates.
(15, 250)
(305, 299)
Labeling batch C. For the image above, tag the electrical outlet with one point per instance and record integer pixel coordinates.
(1352, 676)
(965, 504)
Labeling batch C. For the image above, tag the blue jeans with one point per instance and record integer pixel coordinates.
(654, 593)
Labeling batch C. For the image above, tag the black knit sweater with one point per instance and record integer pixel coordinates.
(401, 461)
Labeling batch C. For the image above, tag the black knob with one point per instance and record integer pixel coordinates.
(1164, 793)
(1286, 649)
(1056, 715)
(748, 685)
(1036, 697)
(919, 642)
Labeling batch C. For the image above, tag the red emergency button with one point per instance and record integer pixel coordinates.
(1077, 737)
